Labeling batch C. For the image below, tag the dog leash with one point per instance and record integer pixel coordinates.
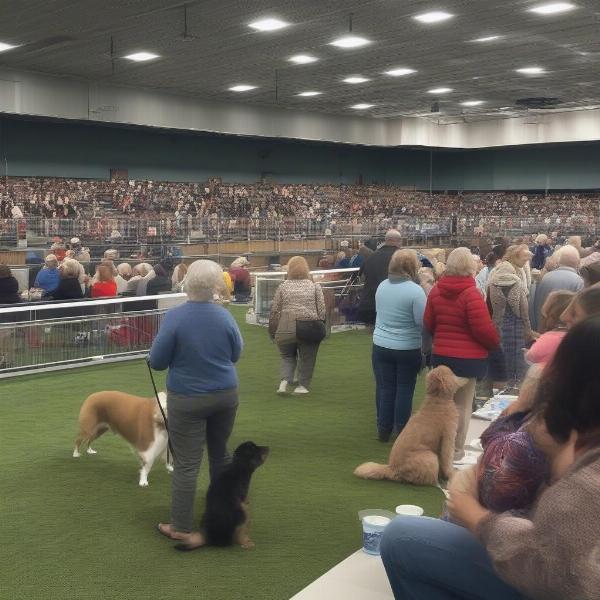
(162, 412)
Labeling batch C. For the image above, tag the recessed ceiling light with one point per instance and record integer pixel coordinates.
(4, 46)
(307, 94)
(472, 103)
(141, 56)
(435, 16)
(441, 90)
(356, 79)
(552, 8)
(505, 108)
(400, 72)
(242, 87)
(350, 41)
(488, 38)
(362, 106)
(531, 70)
(269, 24)
(302, 59)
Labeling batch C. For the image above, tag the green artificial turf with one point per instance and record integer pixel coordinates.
(82, 528)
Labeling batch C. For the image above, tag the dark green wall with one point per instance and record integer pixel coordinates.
(43, 148)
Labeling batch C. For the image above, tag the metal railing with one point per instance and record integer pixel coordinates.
(34, 337)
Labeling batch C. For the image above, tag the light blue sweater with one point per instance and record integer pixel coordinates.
(199, 342)
(400, 307)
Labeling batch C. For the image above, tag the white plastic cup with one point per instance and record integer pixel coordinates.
(409, 510)
(373, 527)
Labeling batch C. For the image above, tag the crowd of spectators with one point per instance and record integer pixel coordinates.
(70, 198)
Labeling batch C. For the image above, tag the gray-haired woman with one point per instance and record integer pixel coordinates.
(199, 342)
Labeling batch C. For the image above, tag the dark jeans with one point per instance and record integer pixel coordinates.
(429, 559)
(194, 420)
(395, 379)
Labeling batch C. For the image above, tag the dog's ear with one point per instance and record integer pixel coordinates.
(442, 382)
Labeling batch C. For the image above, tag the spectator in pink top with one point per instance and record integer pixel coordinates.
(554, 329)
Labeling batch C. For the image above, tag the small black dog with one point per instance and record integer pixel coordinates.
(225, 519)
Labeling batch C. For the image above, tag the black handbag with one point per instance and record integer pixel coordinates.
(311, 330)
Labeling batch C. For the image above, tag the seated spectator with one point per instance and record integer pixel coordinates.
(69, 287)
(142, 285)
(139, 272)
(161, 282)
(9, 286)
(554, 330)
(80, 253)
(49, 277)
(179, 273)
(565, 277)
(105, 285)
(111, 254)
(242, 287)
(590, 274)
(357, 261)
(341, 261)
(58, 249)
(551, 553)
(124, 274)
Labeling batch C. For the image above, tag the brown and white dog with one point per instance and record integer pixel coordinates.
(138, 420)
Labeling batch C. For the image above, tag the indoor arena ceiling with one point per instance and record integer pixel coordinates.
(218, 50)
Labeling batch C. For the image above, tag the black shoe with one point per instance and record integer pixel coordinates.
(384, 436)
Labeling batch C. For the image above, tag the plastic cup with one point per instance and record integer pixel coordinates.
(409, 510)
(373, 527)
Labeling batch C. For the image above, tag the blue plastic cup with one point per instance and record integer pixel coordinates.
(373, 527)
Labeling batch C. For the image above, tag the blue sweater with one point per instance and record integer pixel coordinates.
(400, 306)
(47, 280)
(199, 342)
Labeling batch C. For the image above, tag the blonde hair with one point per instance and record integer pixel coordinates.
(541, 239)
(404, 263)
(142, 269)
(179, 273)
(204, 278)
(555, 305)
(575, 240)
(460, 263)
(124, 270)
(298, 268)
(513, 251)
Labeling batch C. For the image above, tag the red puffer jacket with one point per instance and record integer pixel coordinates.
(458, 319)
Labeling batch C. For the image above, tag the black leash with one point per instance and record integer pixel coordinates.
(162, 412)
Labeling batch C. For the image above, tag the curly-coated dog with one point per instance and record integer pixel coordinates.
(225, 520)
(424, 450)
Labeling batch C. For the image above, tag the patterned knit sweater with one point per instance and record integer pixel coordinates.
(556, 554)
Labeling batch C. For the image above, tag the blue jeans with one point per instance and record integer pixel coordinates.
(395, 379)
(429, 559)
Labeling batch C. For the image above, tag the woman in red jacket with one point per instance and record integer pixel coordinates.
(105, 285)
(463, 333)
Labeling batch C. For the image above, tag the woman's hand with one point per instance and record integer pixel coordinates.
(533, 336)
(466, 510)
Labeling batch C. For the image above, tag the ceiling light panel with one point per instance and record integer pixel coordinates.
(242, 87)
(356, 79)
(440, 90)
(472, 103)
(309, 94)
(4, 47)
(553, 8)
(487, 38)
(141, 56)
(436, 16)
(268, 24)
(531, 71)
(400, 72)
(302, 59)
(350, 41)
(362, 106)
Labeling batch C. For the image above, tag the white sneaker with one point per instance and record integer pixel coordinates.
(282, 387)
(300, 390)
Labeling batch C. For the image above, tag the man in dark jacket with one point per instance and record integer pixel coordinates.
(374, 271)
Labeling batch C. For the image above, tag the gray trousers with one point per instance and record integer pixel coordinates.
(298, 355)
(194, 420)
(463, 398)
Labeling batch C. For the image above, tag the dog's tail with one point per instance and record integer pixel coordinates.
(371, 470)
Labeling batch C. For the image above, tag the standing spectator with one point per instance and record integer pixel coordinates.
(69, 287)
(374, 271)
(161, 282)
(585, 304)
(49, 277)
(591, 274)
(80, 253)
(124, 274)
(139, 271)
(105, 285)
(463, 333)
(242, 287)
(179, 273)
(565, 277)
(396, 357)
(199, 342)
(482, 277)
(9, 286)
(507, 297)
(541, 252)
(358, 260)
(296, 298)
